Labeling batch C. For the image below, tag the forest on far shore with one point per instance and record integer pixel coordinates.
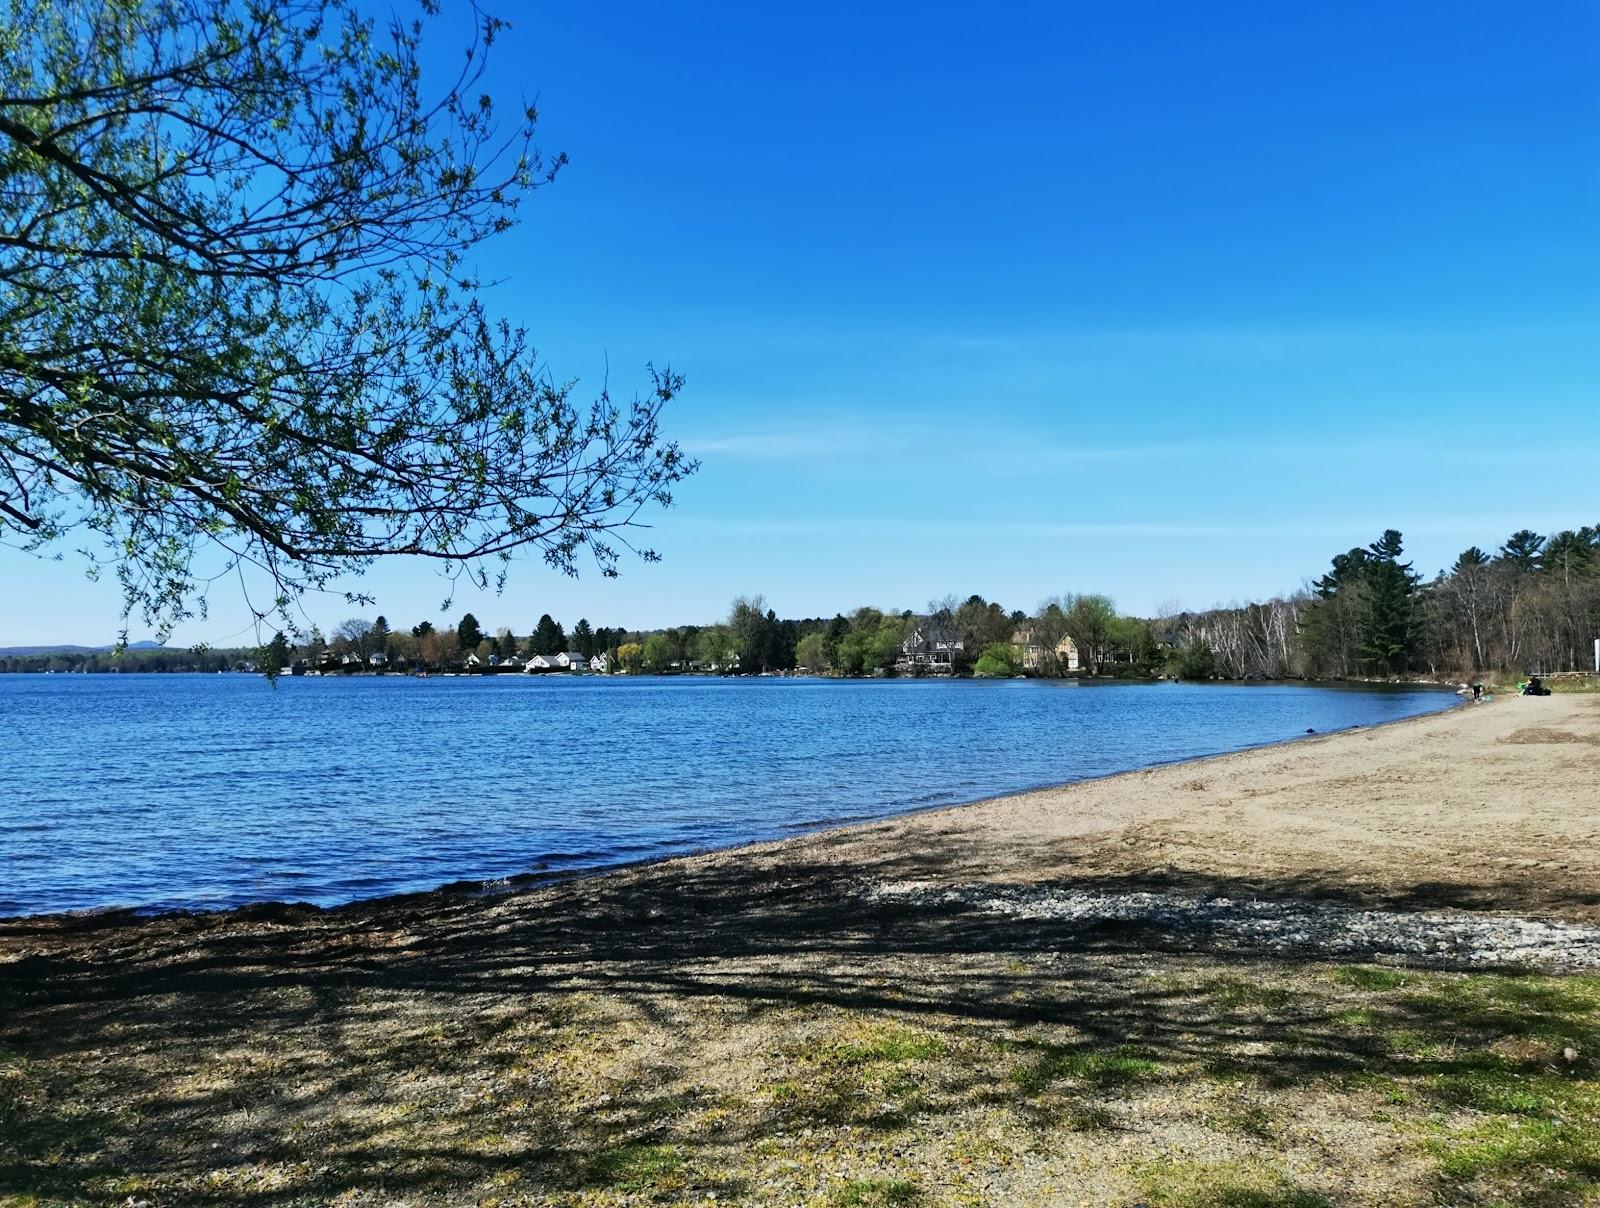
(1533, 605)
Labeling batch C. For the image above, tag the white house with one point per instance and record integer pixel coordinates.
(378, 659)
(565, 661)
(919, 653)
(600, 663)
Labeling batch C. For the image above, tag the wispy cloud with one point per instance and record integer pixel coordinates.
(827, 436)
(1357, 531)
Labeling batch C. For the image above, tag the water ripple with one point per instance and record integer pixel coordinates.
(161, 792)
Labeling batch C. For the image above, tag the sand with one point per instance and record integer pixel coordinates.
(1491, 806)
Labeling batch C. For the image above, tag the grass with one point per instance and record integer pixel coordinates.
(633, 1168)
(1048, 1065)
(1173, 1183)
(1478, 1088)
(1369, 977)
(877, 1193)
(1232, 993)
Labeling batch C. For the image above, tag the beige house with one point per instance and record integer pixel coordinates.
(1033, 652)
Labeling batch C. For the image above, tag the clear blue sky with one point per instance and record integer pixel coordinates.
(1171, 302)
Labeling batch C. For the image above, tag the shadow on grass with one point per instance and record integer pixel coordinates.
(551, 1044)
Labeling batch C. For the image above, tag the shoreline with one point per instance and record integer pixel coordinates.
(526, 882)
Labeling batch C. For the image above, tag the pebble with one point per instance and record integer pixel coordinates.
(1449, 936)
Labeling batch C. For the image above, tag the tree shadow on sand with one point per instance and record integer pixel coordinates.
(696, 1027)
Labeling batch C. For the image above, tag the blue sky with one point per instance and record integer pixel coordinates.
(1171, 302)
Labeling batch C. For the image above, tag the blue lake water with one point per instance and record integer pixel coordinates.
(200, 791)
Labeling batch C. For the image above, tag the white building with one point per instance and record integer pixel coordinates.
(569, 660)
(918, 653)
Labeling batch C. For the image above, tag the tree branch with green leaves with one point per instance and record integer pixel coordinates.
(237, 309)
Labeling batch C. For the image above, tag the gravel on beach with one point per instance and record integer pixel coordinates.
(1444, 937)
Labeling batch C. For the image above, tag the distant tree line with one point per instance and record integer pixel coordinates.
(209, 660)
(1532, 605)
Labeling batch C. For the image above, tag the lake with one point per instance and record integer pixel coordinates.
(195, 791)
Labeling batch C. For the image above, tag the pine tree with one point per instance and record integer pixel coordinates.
(278, 653)
(547, 636)
(583, 638)
(468, 633)
(1390, 619)
(1521, 551)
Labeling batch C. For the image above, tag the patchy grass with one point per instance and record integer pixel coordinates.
(930, 1081)
(877, 1193)
(1231, 993)
(883, 1043)
(633, 1168)
(1105, 1070)
(1370, 977)
(1173, 1183)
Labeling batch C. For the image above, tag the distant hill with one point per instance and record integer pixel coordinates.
(21, 651)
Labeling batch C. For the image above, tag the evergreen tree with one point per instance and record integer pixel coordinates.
(1521, 551)
(1390, 617)
(468, 633)
(379, 637)
(547, 636)
(583, 638)
(422, 630)
(1570, 553)
(278, 653)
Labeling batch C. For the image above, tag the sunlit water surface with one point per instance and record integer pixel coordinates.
(167, 791)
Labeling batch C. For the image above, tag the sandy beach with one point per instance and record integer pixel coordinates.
(1355, 968)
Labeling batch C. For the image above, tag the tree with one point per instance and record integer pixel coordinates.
(352, 637)
(236, 308)
(1087, 620)
(811, 652)
(440, 647)
(1132, 642)
(980, 624)
(380, 633)
(1048, 631)
(871, 644)
(403, 649)
(1521, 551)
(468, 633)
(714, 648)
(657, 654)
(422, 629)
(1330, 629)
(1389, 629)
(547, 636)
(278, 653)
(630, 655)
(1193, 662)
(583, 638)
(749, 626)
(999, 659)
